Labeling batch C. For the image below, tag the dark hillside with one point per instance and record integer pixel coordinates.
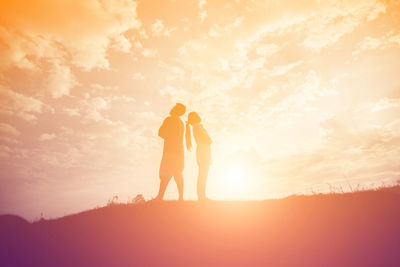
(353, 229)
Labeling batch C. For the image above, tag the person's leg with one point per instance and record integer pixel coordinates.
(201, 182)
(179, 183)
(163, 186)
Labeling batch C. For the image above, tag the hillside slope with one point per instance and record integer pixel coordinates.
(354, 229)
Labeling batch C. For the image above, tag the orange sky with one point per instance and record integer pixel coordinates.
(297, 95)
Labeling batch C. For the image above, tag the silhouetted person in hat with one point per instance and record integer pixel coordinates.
(172, 163)
(203, 151)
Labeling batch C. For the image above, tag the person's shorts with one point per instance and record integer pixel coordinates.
(171, 165)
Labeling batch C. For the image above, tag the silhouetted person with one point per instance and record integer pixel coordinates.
(203, 151)
(172, 131)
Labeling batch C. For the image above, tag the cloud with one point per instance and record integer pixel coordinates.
(94, 108)
(13, 103)
(176, 94)
(385, 103)
(349, 156)
(84, 30)
(388, 40)
(266, 49)
(98, 103)
(8, 129)
(60, 81)
(338, 19)
(138, 76)
(123, 98)
(122, 44)
(147, 52)
(280, 70)
(202, 12)
(158, 27)
(71, 112)
(217, 30)
(46, 137)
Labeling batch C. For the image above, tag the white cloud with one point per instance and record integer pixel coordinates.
(280, 70)
(202, 12)
(157, 27)
(123, 99)
(388, 40)
(176, 95)
(98, 103)
(94, 108)
(338, 19)
(203, 15)
(60, 81)
(266, 50)
(138, 76)
(371, 43)
(147, 52)
(93, 58)
(121, 43)
(143, 34)
(217, 30)
(202, 3)
(385, 103)
(19, 104)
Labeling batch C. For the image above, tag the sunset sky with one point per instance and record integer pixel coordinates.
(298, 96)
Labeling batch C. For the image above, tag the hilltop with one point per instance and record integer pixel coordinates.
(351, 229)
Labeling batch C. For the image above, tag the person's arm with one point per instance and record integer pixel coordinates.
(164, 129)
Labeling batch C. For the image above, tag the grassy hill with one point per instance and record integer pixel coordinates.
(351, 229)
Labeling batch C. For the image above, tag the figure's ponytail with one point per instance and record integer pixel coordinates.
(188, 136)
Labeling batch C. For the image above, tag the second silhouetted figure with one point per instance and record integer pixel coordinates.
(203, 151)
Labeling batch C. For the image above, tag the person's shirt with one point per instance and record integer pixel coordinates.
(200, 135)
(172, 131)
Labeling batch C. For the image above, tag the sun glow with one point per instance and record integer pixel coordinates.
(235, 177)
(232, 181)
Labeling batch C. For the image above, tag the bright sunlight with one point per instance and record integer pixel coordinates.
(232, 181)
(235, 178)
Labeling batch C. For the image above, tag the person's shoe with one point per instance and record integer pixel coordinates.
(156, 199)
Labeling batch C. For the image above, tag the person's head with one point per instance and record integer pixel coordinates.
(193, 118)
(178, 110)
